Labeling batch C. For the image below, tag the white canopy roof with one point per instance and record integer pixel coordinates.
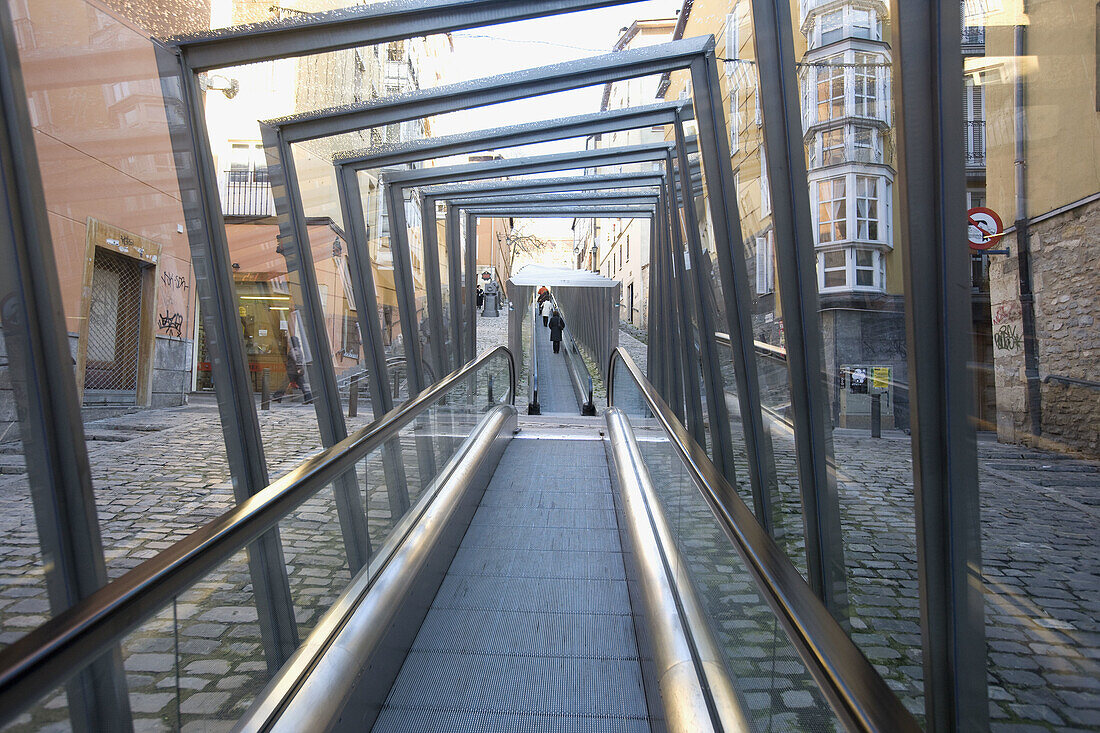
(551, 276)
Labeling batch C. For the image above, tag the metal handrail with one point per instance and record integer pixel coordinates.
(855, 691)
(62, 646)
(589, 406)
(533, 386)
(778, 353)
(1070, 380)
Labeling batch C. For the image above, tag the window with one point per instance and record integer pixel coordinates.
(834, 269)
(832, 27)
(765, 187)
(854, 268)
(628, 246)
(832, 147)
(867, 208)
(832, 214)
(830, 90)
(863, 139)
(247, 163)
(765, 264)
(865, 268)
(861, 23)
(865, 89)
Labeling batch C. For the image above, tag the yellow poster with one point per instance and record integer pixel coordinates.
(880, 377)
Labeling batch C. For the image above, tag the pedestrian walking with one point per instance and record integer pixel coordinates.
(557, 325)
(295, 373)
(546, 307)
(480, 297)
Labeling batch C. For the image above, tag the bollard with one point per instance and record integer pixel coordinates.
(353, 396)
(876, 415)
(265, 389)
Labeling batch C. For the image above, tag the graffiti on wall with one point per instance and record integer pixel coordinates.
(172, 303)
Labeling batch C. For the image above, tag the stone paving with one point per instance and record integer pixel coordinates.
(197, 664)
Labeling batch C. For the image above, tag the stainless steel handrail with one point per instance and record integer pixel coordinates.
(533, 407)
(62, 646)
(572, 353)
(858, 695)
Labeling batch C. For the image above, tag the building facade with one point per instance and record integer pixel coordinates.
(619, 248)
(1044, 182)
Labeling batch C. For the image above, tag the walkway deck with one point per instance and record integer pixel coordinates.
(532, 627)
(556, 395)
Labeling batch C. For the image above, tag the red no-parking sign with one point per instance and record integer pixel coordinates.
(984, 228)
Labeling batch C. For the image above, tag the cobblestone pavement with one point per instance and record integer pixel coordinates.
(198, 663)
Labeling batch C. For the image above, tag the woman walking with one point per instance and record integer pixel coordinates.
(557, 325)
(546, 308)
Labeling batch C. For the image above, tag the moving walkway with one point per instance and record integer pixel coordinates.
(590, 574)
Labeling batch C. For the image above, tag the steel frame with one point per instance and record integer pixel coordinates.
(928, 83)
(943, 446)
(796, 271)
(180, 61)
(35, 340)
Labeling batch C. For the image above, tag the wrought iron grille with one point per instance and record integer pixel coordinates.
(114, 323)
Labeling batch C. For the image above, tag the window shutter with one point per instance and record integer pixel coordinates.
(765, 264)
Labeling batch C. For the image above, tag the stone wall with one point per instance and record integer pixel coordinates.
(1065, 280)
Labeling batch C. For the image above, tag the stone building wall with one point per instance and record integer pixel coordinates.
(1066, 281)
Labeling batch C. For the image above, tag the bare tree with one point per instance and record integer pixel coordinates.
(522, 241)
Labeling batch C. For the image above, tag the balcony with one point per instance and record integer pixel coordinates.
(246, 193)
(973, 36)
(975, 144)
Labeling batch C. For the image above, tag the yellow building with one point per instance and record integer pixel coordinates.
(844, 50)
(1047, 364)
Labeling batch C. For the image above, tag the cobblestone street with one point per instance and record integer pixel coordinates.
(198, 664)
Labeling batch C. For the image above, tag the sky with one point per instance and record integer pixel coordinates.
(499, 49)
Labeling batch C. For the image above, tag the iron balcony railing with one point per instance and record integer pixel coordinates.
(246, 193)
(975, 143)
(973, 35)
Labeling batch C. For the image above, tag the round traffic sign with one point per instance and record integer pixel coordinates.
(984, 228)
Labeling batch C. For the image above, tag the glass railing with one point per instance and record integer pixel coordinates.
(792, 665)
(203, 625)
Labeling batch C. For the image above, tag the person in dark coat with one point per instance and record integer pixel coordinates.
(557, 325)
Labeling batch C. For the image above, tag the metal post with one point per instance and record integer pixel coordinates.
(296, 250)
(730, 249)
(703, 302)
(452, 230)
(876, 415)
(433, 285)
(688, 371)
(671, 313)
(46, 399)
(374, 351)
(217, 295)
(353, 396)
(403, 284)
(928, 91)
(797, 275)
(471, 284)
(265, 389)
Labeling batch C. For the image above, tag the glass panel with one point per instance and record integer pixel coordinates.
(773, 687)
(1035, 372)
(127, 297)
